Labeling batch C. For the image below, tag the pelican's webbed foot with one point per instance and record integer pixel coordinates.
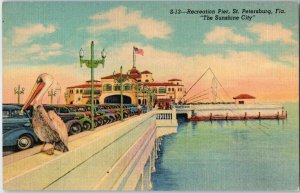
(48, 151)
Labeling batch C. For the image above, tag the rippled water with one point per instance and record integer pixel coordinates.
(231, 155)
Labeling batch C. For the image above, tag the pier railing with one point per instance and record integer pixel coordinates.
(166, 122)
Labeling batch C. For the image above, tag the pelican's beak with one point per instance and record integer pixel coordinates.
(34, 92)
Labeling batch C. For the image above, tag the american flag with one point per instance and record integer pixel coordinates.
(138, 51)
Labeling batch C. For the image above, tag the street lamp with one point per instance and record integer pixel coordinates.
(92, 63)
(66, 96)
(58, 89)
(19, 91)
(52, 93)
(121, 79)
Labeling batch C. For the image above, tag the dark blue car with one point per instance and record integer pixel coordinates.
(17, 129)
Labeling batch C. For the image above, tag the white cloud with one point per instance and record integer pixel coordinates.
(269, 33)
(221, 35)
(120, 19)
(294, 60)
(27, 33)
(38, 52)
(47, 54)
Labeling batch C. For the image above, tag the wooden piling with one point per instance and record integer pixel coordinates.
(245, 115)
(258, 115)
(210, 116)
(226, 116)
(277, 115)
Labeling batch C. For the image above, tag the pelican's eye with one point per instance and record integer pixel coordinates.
(39, 80)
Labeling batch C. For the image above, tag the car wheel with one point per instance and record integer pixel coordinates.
(96, 124)
(25, 142)
(74, 129)
(86, 125)
(100, 122)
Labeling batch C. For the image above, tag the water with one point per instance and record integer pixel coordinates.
(231, 155)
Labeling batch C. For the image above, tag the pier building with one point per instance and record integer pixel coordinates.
(81, 94)
(139, 88)
(244, 99)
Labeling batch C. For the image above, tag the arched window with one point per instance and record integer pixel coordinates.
(127, 87)
(117, 87)
(107, 87)
(146, 80)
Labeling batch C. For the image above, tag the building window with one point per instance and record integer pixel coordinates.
(107, 87)
(146, 80)
(172, 89)
(117, 87)
(178, 89)
(78, 99)
(171, 97)
(80, 91)
(169, 89)
(177, 83)
(127, 87)
(162, 90)
(76, 91)
(146, 75)
(88, 91)
(241, 102)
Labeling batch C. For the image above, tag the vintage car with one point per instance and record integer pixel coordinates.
(84, 120)
(17, 131)
(74, 122)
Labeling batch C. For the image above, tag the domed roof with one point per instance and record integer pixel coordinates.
(134, 73)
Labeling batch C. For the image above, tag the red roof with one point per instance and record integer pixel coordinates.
(146, 72)
(85, 86)
(118, 75)
(159, 84)
(134, 73)
(88, 81)
(244, 96)
(175, 79)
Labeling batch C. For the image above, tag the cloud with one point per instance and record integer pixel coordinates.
(292, 59)
(26, 34)
(36, 52)
(120, 19)
(270, 33)
(221, 35)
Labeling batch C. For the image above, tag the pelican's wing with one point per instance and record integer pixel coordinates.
(59, 126)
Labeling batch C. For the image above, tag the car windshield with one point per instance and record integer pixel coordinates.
(5, 114)
(16, 114)
(73, 110)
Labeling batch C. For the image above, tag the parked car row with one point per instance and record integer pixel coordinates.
(17, 129)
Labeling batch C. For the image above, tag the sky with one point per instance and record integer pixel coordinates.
(259, 57)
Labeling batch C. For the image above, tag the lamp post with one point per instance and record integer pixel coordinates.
(19, 91)
(59, 92)
(66, 97)
(92, 63)
(121, 79)
(52, 93)
(150, 96)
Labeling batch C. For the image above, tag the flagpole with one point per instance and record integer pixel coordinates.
(133, 57)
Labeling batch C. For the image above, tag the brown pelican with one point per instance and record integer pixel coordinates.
(48, 126)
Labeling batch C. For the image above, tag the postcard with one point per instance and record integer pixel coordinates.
(150, 96)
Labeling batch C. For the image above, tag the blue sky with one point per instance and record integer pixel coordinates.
(49, 34)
